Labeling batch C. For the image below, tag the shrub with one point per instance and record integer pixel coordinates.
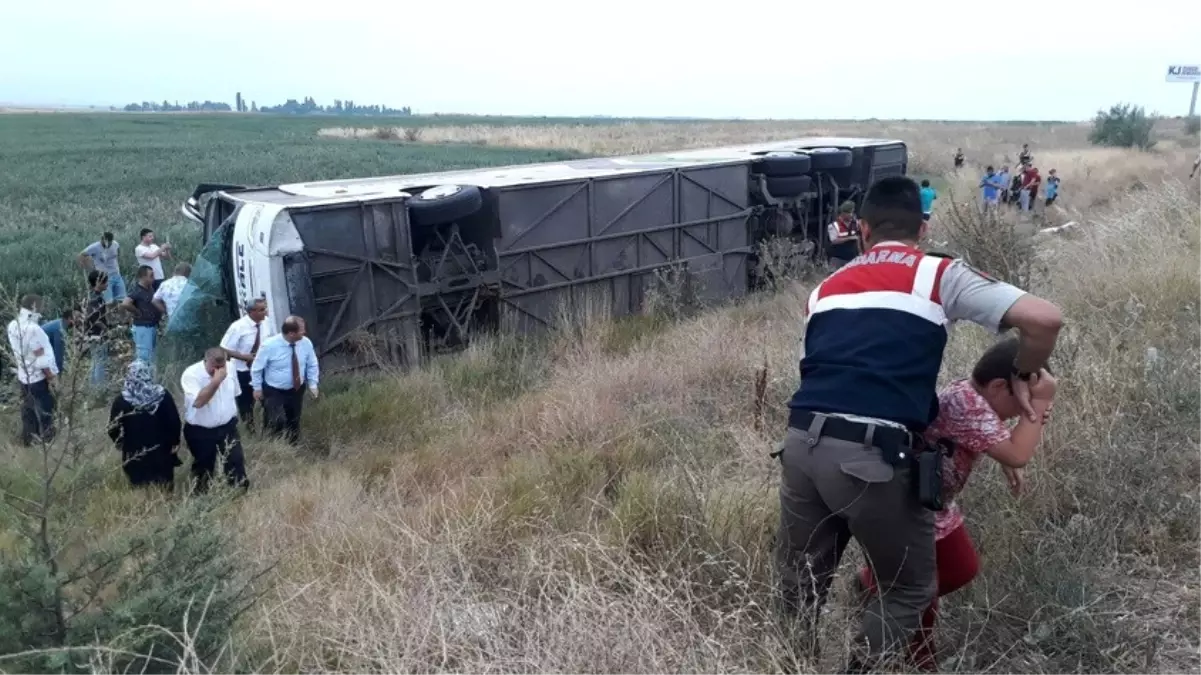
(1192, 125)
(96, 575)
(1123, 126)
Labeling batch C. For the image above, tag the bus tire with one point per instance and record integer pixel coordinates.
(829, 159)
(444, 204)
(786, 187)
(782, 164)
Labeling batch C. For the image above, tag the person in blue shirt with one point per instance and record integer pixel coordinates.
(1052, 187)
(57, 331)
(285, 365)
(928, 196)
(991, 186)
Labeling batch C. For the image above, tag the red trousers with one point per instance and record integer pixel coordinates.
(957, 564)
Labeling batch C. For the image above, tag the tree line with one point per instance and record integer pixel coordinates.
(305, 106)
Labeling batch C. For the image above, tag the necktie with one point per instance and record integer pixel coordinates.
(296, 381)
(258, 330)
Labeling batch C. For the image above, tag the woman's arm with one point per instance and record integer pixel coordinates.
(1016, 452)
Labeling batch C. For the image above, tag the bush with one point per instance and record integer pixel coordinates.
(1124, 126)
(1192, 125)
(94, 575)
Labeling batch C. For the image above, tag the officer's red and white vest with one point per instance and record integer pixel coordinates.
(875, 333)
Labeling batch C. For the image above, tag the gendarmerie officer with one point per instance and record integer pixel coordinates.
(873, 346)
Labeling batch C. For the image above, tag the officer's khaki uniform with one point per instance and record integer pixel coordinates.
(834, 488)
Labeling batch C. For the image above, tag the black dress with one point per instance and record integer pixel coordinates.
(146, 440)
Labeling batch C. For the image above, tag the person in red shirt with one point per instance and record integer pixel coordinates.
(972, 415)
(1030, 183)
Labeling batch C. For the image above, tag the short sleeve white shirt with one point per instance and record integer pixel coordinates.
(141, 251)
(221, 408)
(239, 337)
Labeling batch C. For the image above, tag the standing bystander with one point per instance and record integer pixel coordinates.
(166, 298)
(102, 255)
(241, 342)
(96, 326)
(211, 420)
(990, 187)
(151, 255)
(1029, 191)
(146, 316)
(285, 364)
(1052, 187)
(58, 332)
(36, 370)
(929, 194)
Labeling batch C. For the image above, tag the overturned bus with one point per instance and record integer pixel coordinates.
(398, 267)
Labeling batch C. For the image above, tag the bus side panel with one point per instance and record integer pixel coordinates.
(355, 284)
(599, 242)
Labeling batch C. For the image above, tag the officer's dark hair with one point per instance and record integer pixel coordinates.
(997, 362)
(95, 277)
(68, 313)
(290, 326)
(925, 183)
(145, 231)
(107, 237)
(144, 270)
(989, 168)
(893, 209)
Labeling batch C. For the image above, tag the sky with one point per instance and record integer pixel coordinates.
(940, 59)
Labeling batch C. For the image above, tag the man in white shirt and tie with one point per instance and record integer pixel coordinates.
(211, 420)
(241, 342)
(36, 369)
(285, 364)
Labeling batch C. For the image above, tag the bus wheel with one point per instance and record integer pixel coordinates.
(444, 204)
(781, 164)
(786, 187)
(827, 159)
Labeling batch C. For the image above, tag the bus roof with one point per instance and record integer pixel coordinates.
(503, 176)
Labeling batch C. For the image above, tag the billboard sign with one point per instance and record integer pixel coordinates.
(1184, 74)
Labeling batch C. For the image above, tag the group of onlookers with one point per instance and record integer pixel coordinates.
(271, 368)
(1019, 188)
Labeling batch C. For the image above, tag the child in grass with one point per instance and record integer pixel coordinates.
(972, 414)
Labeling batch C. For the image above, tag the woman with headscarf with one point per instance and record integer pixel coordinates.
(145, 425)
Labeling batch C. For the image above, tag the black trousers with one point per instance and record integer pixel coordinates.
(281, 409)
(245, 400)
(206, 445)
(37, 412)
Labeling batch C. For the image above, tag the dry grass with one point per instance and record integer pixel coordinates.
(602, 501)
(932, 144)
(614, 510)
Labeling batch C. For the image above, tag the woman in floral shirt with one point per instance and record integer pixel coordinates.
(973, 414)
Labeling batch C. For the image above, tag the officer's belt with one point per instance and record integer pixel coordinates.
(882, 436)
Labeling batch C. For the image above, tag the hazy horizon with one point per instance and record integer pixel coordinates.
(627, 59)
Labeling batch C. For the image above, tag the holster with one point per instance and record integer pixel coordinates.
(927, 470)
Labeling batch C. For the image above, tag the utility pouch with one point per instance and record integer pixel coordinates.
(927, 480)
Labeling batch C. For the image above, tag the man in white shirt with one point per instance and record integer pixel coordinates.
(151, 254)
(241, 343)
(211, 420)
(36, 369)
(166, 298)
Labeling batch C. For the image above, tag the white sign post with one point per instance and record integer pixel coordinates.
(1182, 73)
